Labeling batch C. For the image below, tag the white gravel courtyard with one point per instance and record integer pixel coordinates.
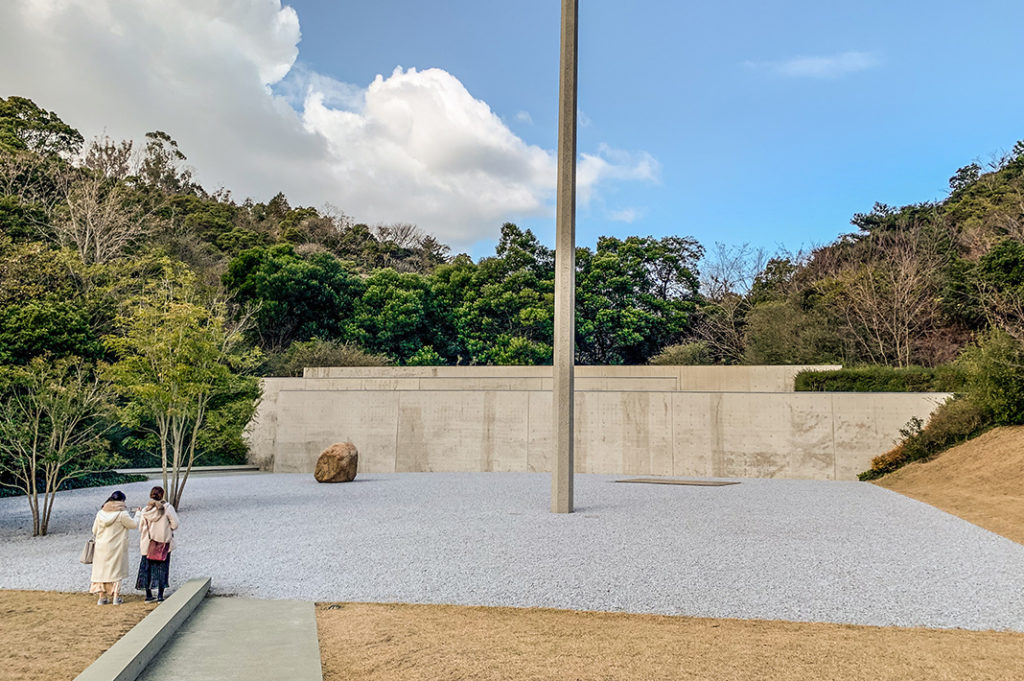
(767, 549)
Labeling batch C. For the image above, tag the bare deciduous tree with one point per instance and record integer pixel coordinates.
(98, 221)
(28, 178)
(729, 269)
(50, 431)
(889, 300)
(726, 275)
(113, 160)
(1003, 308)
(722, 327)
(401, 234)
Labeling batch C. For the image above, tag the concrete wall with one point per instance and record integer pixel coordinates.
(697, 378)
(640, 430)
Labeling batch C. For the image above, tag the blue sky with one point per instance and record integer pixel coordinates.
(746, 153)
(734, 121)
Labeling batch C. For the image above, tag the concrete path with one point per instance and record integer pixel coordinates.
(234, 638)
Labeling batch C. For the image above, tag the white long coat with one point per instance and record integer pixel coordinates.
(110, 562)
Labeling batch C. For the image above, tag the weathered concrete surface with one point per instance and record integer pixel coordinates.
(230, 639)
(487, 383)
(128, 657)
(826, 436)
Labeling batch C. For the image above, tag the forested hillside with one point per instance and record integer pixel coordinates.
(152, 303)
(912, 285)
(299, 274)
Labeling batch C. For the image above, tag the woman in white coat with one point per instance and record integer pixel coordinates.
(110, 560)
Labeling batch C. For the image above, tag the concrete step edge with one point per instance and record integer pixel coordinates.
(127, 658)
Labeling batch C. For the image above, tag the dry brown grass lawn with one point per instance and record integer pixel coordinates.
(54, 636)
(379, 642)
(982, 481)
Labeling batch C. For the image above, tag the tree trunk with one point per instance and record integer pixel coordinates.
(33, 502)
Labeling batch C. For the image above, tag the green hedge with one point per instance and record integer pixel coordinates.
(881, 379)
(98, 479)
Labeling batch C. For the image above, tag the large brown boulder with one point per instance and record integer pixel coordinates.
(337, 463)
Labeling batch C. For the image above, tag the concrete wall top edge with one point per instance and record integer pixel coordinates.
(764, 379)
(798, 395)
(545, 370)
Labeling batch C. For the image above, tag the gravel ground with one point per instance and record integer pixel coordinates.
(815, 551)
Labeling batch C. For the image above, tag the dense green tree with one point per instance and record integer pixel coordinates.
(1002, 267)
(21, 219)
(397, 316)
(26, 127)
(965, 177)
(50, 328)
(999, 286)
(293, 298)
(634, 297)
(35, 146)
(503, 308)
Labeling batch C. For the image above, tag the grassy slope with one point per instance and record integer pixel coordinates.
(981, 480)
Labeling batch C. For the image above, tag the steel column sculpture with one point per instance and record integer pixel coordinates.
(565, 268)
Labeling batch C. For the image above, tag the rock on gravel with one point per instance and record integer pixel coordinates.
(337, 463)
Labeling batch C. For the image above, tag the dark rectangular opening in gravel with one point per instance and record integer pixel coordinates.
(669, 481)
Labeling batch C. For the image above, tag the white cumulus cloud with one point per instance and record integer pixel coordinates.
(225, 78)
(823, 67)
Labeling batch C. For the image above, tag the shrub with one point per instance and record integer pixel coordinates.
(425, 357)
(98, 479)
(320, 353)
(946, 378)
(955, 421)
(684, 354)
(994, 369)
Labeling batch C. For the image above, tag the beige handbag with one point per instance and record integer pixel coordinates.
(88, 551)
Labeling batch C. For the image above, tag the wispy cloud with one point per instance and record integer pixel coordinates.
(524, 117)
(627, 215)
(821, 67)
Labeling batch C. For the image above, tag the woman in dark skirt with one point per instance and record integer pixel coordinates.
(157, 522)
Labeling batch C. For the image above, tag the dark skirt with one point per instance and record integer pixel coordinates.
(153, 574)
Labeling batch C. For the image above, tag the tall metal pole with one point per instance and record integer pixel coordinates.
(565, 268)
